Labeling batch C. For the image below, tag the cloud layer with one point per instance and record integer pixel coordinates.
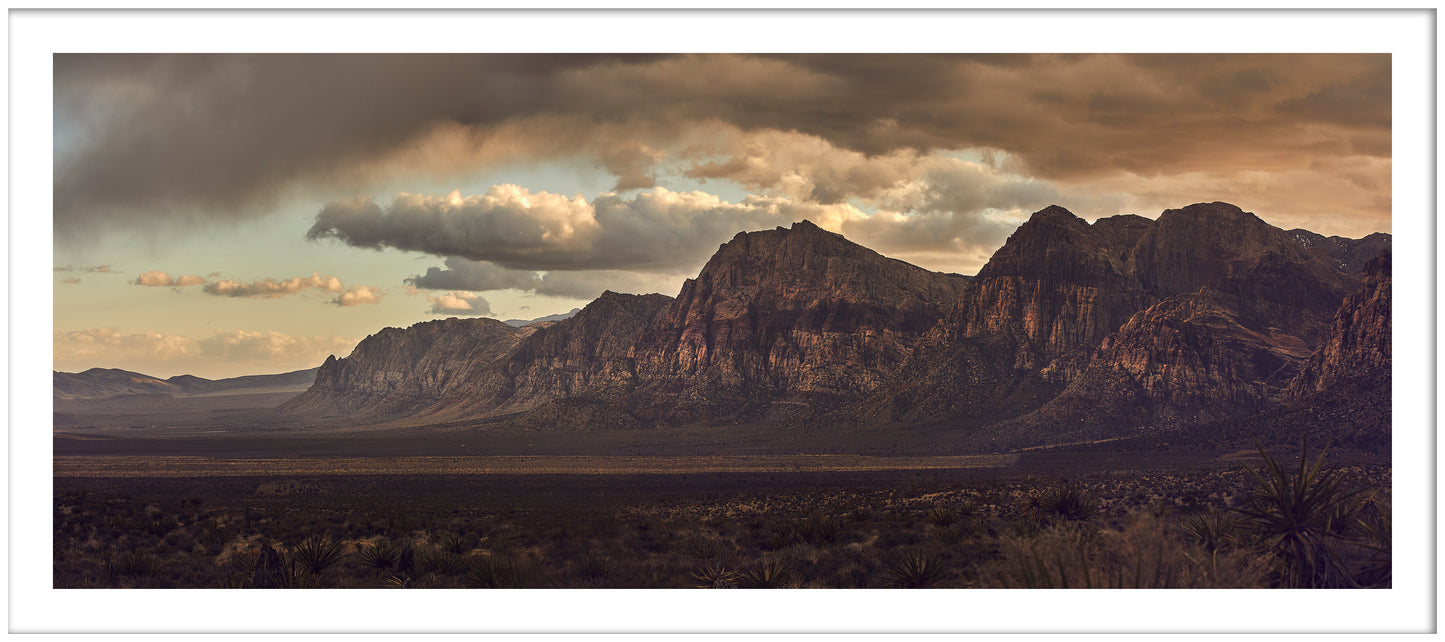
(267, 288)
(229, 353)
(483, 276)
(147, 145)
(519, 229)
(272, 288)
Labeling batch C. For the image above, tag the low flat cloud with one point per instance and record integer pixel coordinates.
(273, 288)
(224, 354)
(484, 276)
(71, 280)
(268, 288)
(268, 345)
(156, 278)
(109, 343)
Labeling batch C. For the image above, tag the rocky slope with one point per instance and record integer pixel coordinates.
(1070, 330)
(1357, 351)
(400, 372)
(458, 369)
(788, 316)
(1207, 311)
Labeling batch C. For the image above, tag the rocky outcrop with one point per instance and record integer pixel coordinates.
(1357, 350)
(1073, 328)
(467, 369)
(792, 316)
(587, 355)
(1024, 326)
(405, 371)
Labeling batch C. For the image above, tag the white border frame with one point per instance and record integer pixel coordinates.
(35, 607)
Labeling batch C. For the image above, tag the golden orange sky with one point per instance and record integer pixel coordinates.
(295, 203)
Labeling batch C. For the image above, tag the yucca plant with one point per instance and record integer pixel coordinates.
(440, 561)
(381, 556)
(317, 554)
(942, 517)
(596, 566)
(489, 571)
(134, 564)
(1374, 526)
(715, 576)
(819, 529)
(456, 543)
(1068, 504)
(769, 574)
(916, 570)
(1213, 530)
(1302, 519)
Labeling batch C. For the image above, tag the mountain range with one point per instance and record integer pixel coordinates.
(1072, 331)
(102, 383)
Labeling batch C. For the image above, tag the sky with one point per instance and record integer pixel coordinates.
(224, 215)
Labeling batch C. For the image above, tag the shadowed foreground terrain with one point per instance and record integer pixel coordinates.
(1033, 519)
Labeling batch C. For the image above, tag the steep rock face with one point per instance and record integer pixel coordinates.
(1024, 326)
(587, 354)
(1358, 347)
(1205, 312)
(461, 369)
(785, 313)
(1187, 358)
(1276, 282)
(400, 370)
(1057, 286)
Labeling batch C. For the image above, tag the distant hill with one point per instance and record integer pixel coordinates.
(517, 323)
(102, 383)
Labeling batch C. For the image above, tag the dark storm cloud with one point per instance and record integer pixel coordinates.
(482, 276)
(659, 231)
(190, 138)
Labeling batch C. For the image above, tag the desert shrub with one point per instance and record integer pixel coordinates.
(1306, 520)
(381, 556)
(1022, 527)
(134, 565)
(1068, 504)
(772, 573)
(596, 566)
(819, 529)
(317, 553)
(440, 561)
(915, 569)
(942, 517)
(714, 575)
(1214, 530)
(457, 543)
(1142, 555)
(491, 571)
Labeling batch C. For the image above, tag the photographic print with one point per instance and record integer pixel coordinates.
(722, 321)
(548, 321)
